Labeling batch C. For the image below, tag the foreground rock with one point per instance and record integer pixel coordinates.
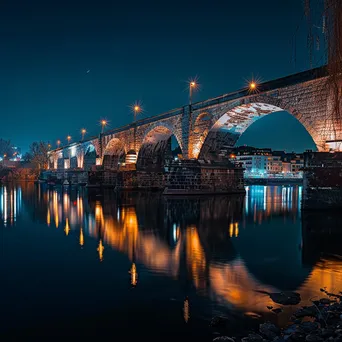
(284, 298)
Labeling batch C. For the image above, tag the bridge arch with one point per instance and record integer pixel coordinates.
(232, 120)
(156, 145)
(114, 154)
(89, 158)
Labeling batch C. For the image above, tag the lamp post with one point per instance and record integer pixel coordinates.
(136, 110)
(68, 139)
(103, 124)
(192, 87)
(83, 132)
(58, 142)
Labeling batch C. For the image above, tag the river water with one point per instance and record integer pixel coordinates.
(78, 262)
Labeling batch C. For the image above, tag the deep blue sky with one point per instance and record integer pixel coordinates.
(135, 50)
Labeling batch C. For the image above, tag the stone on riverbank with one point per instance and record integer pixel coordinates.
(284, 298)
(223, 339)
(269, 330)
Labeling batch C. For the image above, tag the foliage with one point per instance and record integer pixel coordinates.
(38, 155)
(6, 148)
(27, 157)
(18, 174)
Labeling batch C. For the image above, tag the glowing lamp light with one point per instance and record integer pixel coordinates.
(193, 86)
(136, 108)
(83, 132)
(252, 85)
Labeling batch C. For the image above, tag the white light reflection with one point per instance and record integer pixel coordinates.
(10, 204)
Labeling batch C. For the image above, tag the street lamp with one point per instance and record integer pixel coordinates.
(192, 86)
(136, 110)
(69, 139)
(252, 85)
(83, 132)
(103, 124)
(58, 143)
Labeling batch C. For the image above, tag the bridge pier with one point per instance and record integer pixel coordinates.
(322, 181)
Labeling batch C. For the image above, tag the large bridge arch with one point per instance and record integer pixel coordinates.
(224, 126)
(155, 144)
(114, 154)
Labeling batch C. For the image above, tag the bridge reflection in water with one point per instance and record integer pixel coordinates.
(227, 247)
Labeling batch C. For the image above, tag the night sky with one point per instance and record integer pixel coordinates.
(137, 50)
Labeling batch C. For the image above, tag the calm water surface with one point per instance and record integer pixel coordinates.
(78, 262)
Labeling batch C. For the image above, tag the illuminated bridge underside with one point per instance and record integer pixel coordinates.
(154, 147)
(227, 130)
(114, 153)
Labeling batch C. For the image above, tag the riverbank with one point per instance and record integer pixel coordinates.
(8, 175)
(321, 321)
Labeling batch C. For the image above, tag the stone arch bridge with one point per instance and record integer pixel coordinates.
(203, 129)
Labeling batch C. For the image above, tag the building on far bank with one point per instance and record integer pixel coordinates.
(264, 163)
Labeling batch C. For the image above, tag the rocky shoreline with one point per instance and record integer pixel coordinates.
(321, 321)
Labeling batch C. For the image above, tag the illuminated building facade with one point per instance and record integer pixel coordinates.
(266, 163)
